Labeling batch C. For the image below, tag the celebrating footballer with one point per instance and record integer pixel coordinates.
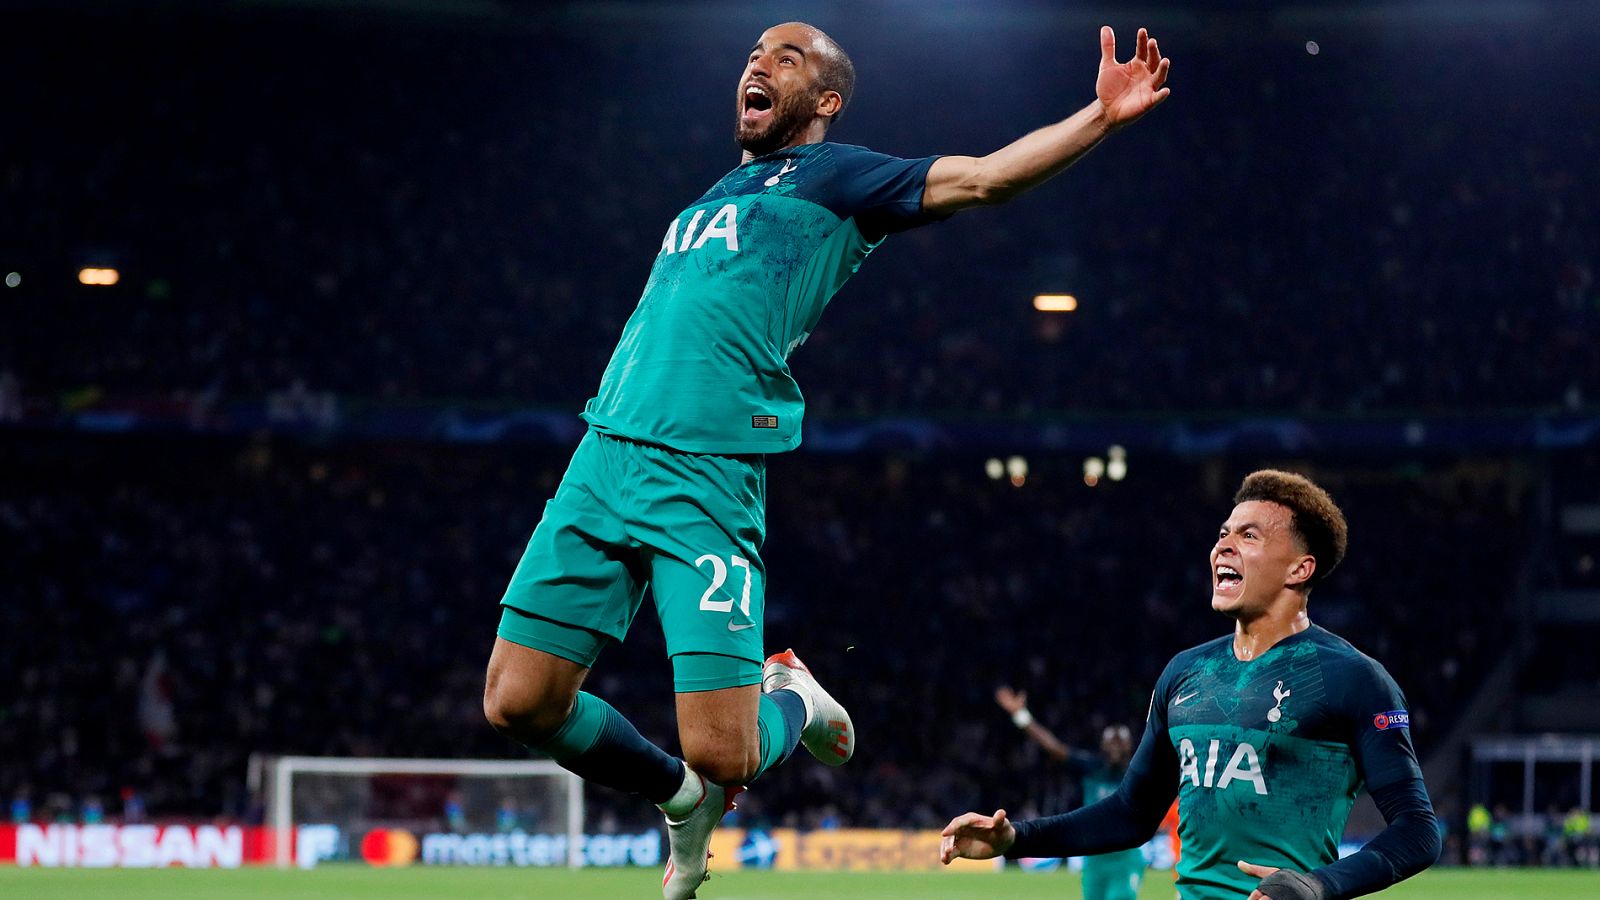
(1265, 735)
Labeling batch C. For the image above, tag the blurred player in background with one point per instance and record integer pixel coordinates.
(667, 488)
(1107, 876)
(1267, 734)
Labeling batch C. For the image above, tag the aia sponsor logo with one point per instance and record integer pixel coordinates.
(1394, 718)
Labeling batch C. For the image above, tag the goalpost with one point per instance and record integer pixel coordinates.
(354, 808)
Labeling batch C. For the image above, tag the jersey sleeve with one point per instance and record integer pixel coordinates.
(1379, 723)
(1125, 819)
(882, 193)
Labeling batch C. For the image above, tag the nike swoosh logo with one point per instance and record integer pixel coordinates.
(1184, 698)
(733, 627)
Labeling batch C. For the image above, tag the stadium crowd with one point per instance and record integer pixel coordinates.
(421, 213)
(195, 602)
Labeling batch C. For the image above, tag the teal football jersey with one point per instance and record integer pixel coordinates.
(739, 282)
(1271, 754)
(1266, 758)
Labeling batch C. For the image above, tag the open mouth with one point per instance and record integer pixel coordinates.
(758, 103)
(1226, 579)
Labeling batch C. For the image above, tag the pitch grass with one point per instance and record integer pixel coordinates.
(538, 884)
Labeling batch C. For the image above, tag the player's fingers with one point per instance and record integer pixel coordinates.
(999, 818)
(1108, 45)
(1153, 58)
(1255, 871)
(1257, 895)
(1161, 73)
(960, 822)
(947, 849)
(1141, 45)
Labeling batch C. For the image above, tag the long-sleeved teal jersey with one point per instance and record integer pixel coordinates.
(1266, 758)
(740, 280)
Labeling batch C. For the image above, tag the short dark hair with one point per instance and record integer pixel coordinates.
(838, 73)
(835, 71)
(1317, 521)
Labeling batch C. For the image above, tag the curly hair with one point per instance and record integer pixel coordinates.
(1317, 521)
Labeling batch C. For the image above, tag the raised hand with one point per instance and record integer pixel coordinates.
(1131, 89)
(1011, 701)
(976, 836)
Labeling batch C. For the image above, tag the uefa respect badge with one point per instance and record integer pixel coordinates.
(1394, 718)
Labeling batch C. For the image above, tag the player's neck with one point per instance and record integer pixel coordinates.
(815, 133)
(1255, 636)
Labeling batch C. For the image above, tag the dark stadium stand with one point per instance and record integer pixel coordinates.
(478, 227)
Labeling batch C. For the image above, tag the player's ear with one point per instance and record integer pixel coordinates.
(1302, 570)
(829, 104)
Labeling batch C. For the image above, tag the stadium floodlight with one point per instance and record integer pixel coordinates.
(1055, 302)
(1094, 468)
(1117, 468)
(99, 276)
(1017, 468)
(399, 811)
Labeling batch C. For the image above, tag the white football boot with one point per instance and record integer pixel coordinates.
(689, 841)
(828, 734)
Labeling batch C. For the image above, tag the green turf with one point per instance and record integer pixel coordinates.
(533, 884)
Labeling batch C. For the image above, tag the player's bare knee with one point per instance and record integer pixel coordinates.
(726, 765)
(527, 716)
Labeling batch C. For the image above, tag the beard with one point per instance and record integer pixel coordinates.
(791, 114)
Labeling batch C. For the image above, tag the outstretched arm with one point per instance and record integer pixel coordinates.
(1125, 819)
(1016, 703)
(1123, 93)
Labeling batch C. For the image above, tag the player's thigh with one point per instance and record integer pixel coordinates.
(703, 526)
(580, 568)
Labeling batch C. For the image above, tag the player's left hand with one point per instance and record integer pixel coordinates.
(1131, 89)
(1283, 884)
(976, 836)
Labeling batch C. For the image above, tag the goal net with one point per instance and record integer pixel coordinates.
(394, 812)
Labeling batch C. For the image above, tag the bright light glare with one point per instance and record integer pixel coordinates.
(1017, 468)
(13, 279)
(97, 276)
(1055, 303)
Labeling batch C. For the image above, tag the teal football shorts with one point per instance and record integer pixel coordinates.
(1113, 876)
(629, 515)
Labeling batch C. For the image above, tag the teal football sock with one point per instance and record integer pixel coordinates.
(782, 716)
(600, 746)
